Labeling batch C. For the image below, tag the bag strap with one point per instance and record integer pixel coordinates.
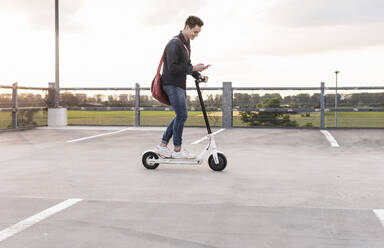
(160, 64)
(186, 48)
(162, 57)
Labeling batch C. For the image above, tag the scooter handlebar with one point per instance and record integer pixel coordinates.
(200, 79)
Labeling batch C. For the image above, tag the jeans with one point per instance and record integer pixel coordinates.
(177, 98)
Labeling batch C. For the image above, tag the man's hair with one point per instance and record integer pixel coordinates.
(192, 21)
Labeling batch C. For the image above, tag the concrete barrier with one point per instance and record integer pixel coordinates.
(57, 117)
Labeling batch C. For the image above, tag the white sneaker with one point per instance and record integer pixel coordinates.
(163, 151)
(183, 154)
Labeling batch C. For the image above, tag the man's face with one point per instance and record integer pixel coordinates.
(193, 32)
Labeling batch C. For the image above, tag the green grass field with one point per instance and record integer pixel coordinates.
(147, 118)
(345, 119)
(195, 118)
(38, 118)
(5, 119)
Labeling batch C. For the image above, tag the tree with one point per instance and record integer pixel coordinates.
(68, 99)
(315, 100)
(268, 118)
(5, 100)
(302, 100)
(271, 95)
(123, 98)
(241, 99)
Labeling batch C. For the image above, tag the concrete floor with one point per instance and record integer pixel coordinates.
(281, 188)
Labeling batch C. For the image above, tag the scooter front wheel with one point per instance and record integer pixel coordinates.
(222, 162)
(145, 159)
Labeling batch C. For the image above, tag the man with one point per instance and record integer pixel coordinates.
(177, 65)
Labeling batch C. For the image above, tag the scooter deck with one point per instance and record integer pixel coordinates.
(164, 160)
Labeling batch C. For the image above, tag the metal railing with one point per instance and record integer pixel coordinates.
(227, 107)
(17, 119)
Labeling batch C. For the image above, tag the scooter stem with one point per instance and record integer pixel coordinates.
(197, 81)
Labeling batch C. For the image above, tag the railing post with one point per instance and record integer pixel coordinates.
(322, 105)
(137, 105)
(227, 108)
(14, 105)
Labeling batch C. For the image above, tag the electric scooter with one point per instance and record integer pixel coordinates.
(216, 161)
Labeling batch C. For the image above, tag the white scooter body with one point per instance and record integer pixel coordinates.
(217, 161)
(198, 160)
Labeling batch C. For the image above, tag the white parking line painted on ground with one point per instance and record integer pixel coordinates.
(162, 129)
(380, 214)
(204, 138)
(330, 138)
(98, 128)
(96, 136)
(24, 224)
(102, 128)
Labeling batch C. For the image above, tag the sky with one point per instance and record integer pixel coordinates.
(252, 43)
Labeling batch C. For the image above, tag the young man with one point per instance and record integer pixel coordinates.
(177, 65)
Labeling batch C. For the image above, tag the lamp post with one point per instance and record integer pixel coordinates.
(56, 116)
(336, 72)
(57, 78)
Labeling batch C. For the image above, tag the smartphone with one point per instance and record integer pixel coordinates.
(206, 67)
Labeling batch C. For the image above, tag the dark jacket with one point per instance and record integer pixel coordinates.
(177, 63)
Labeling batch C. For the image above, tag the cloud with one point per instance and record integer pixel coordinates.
(296, 27)
(325, 12)
(41, 13)
(171, 11)
(305, 41)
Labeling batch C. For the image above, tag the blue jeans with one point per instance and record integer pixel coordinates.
(177, 98)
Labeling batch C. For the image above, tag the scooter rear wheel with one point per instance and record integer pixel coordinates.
(146, 163)
(222, 162)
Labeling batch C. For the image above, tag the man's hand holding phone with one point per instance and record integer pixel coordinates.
(206, 66)
(200, 67)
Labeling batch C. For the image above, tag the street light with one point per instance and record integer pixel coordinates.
(57, 78)
(336, 72)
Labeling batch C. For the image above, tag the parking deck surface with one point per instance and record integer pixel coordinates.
(281, 188)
